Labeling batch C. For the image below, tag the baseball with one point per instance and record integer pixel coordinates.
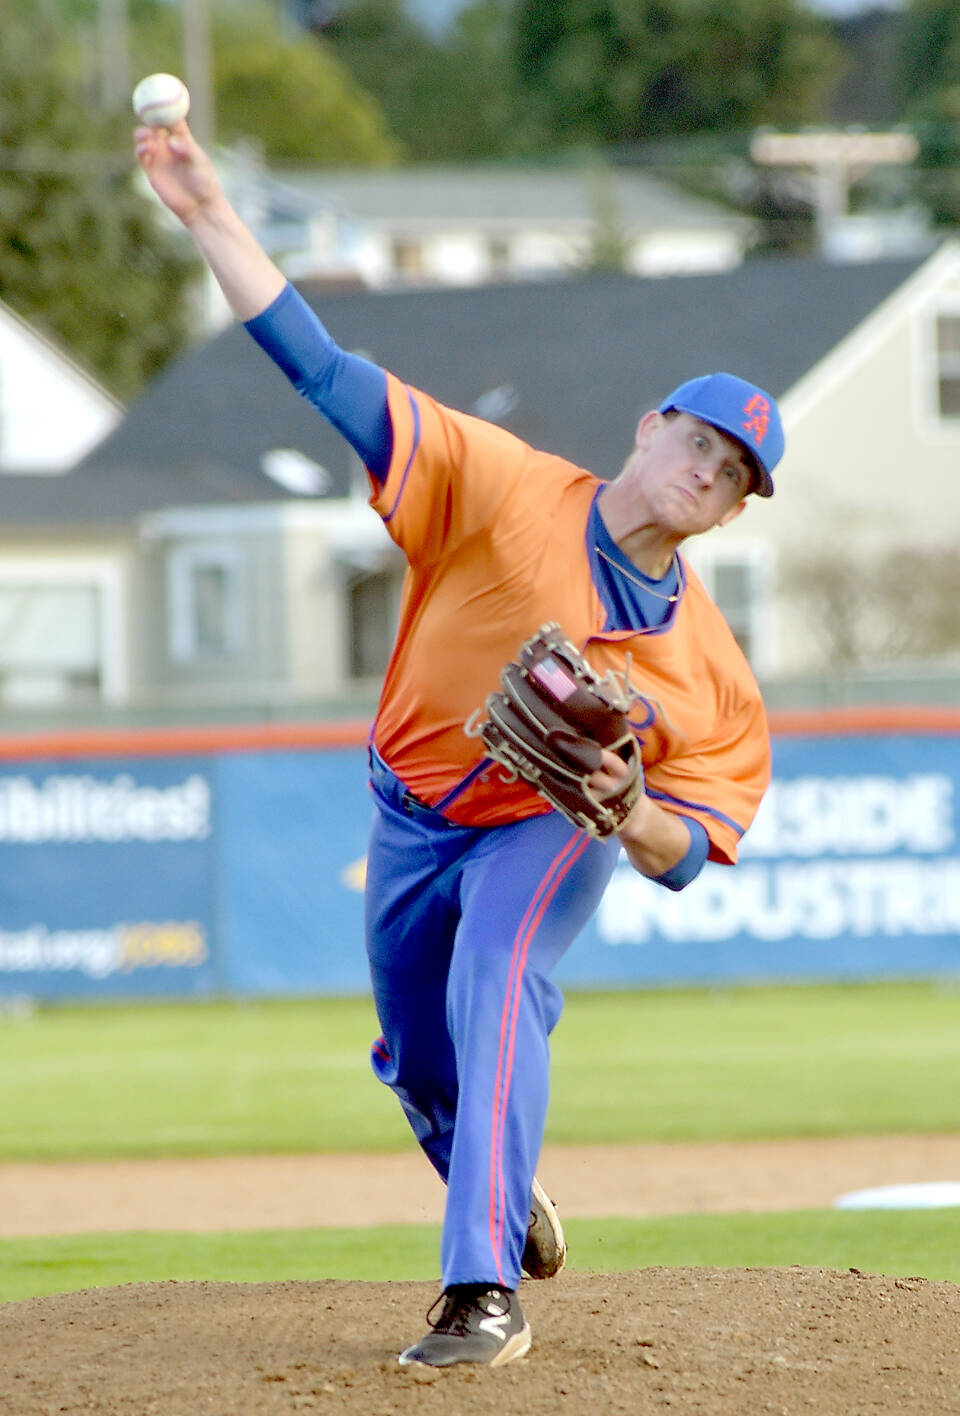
(161, 100)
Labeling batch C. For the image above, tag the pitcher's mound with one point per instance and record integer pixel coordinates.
(718, 1342)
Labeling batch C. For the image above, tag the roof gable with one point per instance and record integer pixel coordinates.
(35, 378)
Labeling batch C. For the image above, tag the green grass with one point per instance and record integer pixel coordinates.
(917, 1243)
(246, 1078)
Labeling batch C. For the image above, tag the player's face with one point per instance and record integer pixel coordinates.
(689, 475)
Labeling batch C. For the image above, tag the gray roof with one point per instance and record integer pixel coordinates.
(508, 197)
(575, 362)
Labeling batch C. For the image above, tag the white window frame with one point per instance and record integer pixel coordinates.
(106, 577)
(944, 366)
(760, 561)
(929, 365)
(182, 563)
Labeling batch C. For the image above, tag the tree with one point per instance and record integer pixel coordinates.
(84, 251)
(854, 604)
(930, 85)
(452, 97)
(296, 100)
(80, 253)
(615, 71)
(274, 83)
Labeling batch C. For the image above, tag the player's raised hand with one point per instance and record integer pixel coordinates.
(177, 168)
(184, 179)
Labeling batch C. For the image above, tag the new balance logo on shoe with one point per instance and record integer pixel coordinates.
(476, 1324)
(496, 1325)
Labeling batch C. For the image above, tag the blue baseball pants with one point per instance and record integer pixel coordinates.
(464, 926)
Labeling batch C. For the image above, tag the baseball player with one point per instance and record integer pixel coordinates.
(475, 886)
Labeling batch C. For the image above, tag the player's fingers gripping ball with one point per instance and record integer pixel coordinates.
(160, 100)
(548, 723)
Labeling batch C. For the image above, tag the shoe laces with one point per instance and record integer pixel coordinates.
(457, 1306)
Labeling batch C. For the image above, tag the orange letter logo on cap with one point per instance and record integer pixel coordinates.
(758, 420)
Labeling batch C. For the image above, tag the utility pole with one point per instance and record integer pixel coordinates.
(837, 158)
(198, 76)
(114, 36)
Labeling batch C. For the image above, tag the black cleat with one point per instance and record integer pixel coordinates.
(476, 1324)
(545, 1251)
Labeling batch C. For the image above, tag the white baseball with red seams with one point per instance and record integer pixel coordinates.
(161, 100)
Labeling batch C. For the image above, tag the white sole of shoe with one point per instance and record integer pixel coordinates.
(552, 1221)
(515, 1347)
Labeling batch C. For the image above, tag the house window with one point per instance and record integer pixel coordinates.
(948, 365)
(371, 608)
(740, 580)
(50, 643)
(407, 257)
(207, 603)
(499, 253)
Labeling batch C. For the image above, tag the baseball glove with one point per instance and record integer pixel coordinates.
(550, 721)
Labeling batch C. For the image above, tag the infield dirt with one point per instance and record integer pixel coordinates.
(710, 1341)
(717, 1342)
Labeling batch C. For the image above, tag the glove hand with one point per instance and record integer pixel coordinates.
(610, 779)
(564, 729)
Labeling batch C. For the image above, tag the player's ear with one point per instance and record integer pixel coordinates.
(647, 425)
(733, 513)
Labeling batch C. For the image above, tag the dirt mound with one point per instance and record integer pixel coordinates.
(718, 1342)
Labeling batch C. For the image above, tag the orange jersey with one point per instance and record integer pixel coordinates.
(494, 533)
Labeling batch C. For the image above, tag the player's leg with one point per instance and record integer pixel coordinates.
(412, 912)
(528, 889)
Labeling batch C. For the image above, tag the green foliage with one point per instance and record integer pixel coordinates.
(222, 1078)
(296, 101)
(446, 99)
(273, 85)
(80, 254)
(930, 85)
(617, 71)
(930, 48)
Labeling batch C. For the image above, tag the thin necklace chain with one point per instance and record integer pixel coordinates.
(644, 585)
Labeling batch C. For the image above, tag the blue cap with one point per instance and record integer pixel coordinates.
(739, 409)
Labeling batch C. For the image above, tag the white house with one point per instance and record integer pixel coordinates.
(51, 412)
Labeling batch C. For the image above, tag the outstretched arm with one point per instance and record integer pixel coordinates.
(183, 177)
(347, 390)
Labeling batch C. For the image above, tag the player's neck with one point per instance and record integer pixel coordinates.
(643, 539)
(650, 547)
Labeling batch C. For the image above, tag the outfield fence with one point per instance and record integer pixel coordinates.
(229, 861)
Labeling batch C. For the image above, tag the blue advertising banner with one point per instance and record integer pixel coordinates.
(851, 870)
(242, 873)
(293, 843)
(106, 871)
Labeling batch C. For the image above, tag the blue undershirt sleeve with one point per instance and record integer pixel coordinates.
(350, 391)
(692, 863)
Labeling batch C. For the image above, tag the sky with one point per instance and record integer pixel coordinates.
(439, 12)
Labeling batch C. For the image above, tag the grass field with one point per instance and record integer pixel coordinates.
(917, 1243)
(238, 1078)
(243, 1078)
